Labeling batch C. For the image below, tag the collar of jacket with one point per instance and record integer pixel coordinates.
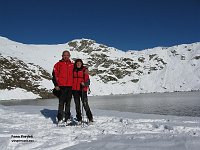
(68, 61)
(79, 69)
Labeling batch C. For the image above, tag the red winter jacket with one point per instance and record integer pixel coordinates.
(62, 73)
(78, 77)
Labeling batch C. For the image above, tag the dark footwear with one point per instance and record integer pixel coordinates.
(91, 120)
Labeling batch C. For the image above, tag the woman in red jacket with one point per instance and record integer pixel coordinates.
(80, 86)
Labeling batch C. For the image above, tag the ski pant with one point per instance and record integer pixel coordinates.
(83, 96)
(64, 103)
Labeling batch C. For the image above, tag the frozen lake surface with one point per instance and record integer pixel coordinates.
(177, 103)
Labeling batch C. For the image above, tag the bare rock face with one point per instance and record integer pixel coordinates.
(15, 73)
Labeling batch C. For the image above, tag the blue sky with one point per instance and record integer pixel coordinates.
(124, 24)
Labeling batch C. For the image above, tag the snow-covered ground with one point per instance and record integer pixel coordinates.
(17, 93)
(111, 130)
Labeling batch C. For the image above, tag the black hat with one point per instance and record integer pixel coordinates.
(57, 93)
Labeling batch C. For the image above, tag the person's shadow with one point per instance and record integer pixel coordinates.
(49, 114)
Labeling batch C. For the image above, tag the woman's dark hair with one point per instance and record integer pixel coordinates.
(76, 61)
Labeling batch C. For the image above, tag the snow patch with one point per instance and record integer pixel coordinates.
(17, 93)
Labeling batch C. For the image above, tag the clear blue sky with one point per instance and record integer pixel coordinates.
(124, 24)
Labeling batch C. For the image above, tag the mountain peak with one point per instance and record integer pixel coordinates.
(161, 69)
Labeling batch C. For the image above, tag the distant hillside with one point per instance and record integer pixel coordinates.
(112, 71)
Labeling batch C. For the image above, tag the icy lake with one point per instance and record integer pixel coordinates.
(177, 103)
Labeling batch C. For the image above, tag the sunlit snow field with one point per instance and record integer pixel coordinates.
(118, 124)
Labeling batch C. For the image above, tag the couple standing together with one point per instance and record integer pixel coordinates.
(71, 79)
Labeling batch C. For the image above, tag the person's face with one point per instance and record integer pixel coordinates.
(78, 64)
(66, 56)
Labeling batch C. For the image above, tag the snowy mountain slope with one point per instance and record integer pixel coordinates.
(15, 74)
(112, 71)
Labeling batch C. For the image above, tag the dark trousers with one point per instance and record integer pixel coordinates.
(83, 96)
(64, 103)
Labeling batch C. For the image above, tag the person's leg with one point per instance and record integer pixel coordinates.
(68, 103)
(76, 96)
(84, 99)
(61, 104)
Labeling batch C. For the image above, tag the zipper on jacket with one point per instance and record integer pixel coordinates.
(76, 80)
